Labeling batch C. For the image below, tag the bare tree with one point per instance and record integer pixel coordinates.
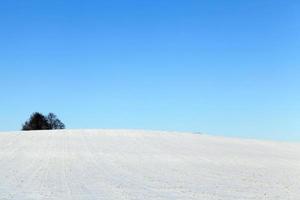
(54, 122)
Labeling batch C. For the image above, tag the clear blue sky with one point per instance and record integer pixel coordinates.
(227, 68)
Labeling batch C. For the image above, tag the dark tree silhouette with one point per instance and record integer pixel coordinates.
(54, 122)
(38, 121)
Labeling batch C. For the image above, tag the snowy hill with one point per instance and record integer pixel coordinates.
(143, 165)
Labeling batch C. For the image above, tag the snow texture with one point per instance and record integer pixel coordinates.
(144, 165)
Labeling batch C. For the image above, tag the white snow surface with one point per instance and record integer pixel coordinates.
(144, 165)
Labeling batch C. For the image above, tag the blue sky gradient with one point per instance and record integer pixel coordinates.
(222, 67)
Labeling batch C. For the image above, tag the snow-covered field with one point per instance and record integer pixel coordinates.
(143, 165)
